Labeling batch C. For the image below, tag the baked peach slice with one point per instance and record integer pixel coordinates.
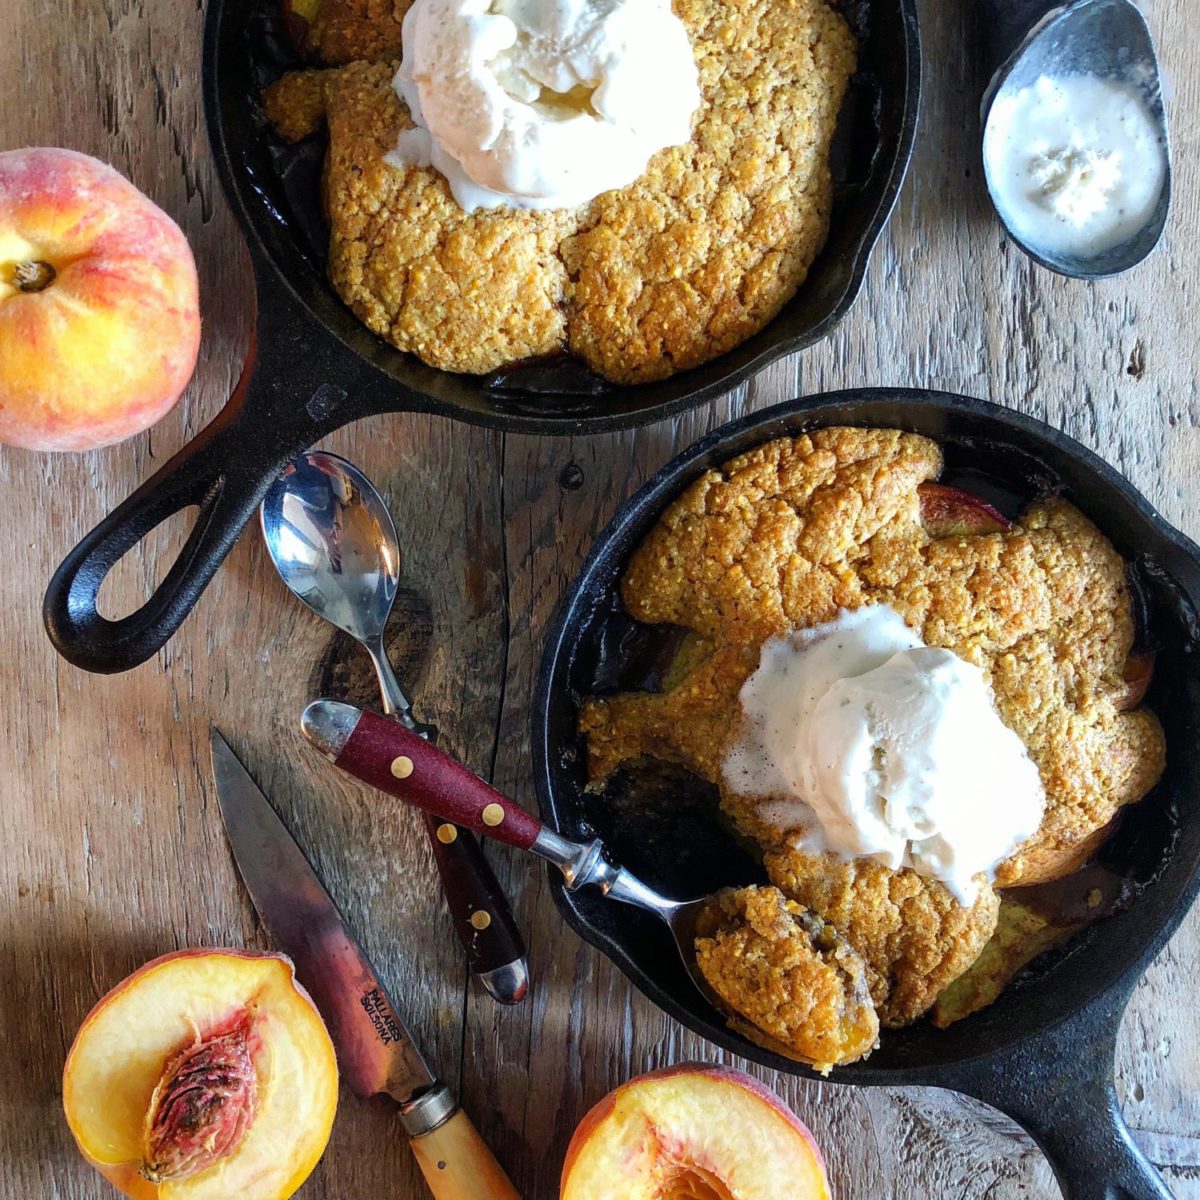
(951, 512)
(1021, 934)
(1136, 680)
(693, 1132)
(205, 1075)
(298, 18)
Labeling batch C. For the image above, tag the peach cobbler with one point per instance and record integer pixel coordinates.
(909, 704)
(680, 191)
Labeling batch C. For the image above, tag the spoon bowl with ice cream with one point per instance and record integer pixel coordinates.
(1075, 145)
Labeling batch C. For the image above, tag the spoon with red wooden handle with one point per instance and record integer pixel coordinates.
(389, 757)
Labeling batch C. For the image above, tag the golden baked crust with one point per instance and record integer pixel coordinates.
(786, 535)
(789, 975)
(912, 933)
(681, 266)
(345, 31)
(1021, 934)
(463, 291)
(709, 244)
(295, 104)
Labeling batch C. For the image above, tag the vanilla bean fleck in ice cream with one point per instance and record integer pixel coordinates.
(868, 743)
(541, 104)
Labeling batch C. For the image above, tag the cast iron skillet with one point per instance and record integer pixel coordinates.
(1043, 1053)
(313, 367)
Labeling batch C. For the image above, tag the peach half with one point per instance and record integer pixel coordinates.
(99, 304)
(207, 1074)
(693, 1132)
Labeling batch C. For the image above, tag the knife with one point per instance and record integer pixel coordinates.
(375, 1051)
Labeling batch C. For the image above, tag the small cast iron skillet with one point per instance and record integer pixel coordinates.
(1043, 1053)
(313, 367)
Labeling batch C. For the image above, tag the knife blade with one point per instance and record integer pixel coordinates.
(375, 1050)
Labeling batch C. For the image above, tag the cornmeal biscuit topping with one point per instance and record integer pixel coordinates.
(789, 974)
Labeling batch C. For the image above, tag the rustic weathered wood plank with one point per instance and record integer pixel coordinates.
(113, 847)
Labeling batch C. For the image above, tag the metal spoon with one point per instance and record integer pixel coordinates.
(1107, 38)
(368, 747)
(332, 540)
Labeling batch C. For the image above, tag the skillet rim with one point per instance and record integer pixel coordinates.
(358, 346)
(572, 612)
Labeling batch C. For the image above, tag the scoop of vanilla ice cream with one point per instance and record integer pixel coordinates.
(868, 743)
(543, 103)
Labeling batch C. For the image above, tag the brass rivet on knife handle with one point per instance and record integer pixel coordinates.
(481, 920)
(493, 815)
(447, 833)
(402, 767)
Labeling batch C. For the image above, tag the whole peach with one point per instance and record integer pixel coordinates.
(99, 304)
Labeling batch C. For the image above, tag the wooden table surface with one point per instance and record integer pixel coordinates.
(113, 848)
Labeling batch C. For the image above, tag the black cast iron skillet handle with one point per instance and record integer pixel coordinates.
(1058, 1086)
(294, 385)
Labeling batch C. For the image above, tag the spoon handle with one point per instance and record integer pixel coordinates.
(396, 703)
(480, 912)
(388, 757)
(482, 919)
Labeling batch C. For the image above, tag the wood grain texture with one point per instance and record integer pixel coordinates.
(113, 845)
